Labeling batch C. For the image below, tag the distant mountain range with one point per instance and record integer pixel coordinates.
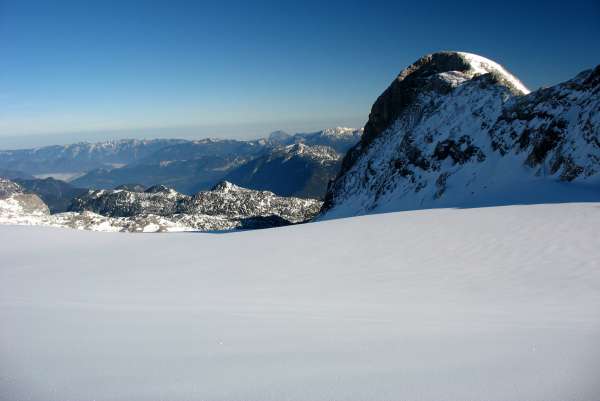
(452, 130)
(189, 166)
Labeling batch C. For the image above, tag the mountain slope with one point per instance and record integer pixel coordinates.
(187, 176)
(456, 129)
(225, 200)
(16, 205)
(487, 304)
(57, 194)
(293, 170)
(159, 209)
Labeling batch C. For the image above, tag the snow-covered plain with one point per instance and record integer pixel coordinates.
(497, 303)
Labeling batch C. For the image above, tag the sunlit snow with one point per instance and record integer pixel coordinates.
(497, 303)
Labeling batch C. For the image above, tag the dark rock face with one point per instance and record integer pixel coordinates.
(459, 151)
(455, 129)
(262, 222)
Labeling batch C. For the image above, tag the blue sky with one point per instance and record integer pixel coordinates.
(87, 70)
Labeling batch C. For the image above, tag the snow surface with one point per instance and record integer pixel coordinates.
(482, 65)
(448, 304)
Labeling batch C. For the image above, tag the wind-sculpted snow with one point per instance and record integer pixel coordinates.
(159, 209)
(492, 304)
(456, 130)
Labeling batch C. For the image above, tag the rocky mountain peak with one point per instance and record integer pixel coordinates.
(226, 186)
(155, 189)
(9, 188)
(15, 204)
(434, 74)
(456, 129)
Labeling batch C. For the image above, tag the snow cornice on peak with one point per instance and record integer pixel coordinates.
(481, 65)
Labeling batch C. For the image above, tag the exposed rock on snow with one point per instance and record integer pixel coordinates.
(455, 129)
(227, 199)
(159, 209)
(17, 205)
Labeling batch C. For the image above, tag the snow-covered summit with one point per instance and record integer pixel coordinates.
(340, 131)
(319, 153)
(457, 130)
(481, 65)
(226, 186)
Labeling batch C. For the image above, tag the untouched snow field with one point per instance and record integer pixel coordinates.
(487, 304)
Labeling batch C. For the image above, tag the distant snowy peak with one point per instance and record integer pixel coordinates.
(340, 132)
(339, 138)
(455, 129)
(318, 153)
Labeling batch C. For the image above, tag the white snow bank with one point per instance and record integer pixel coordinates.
(477, 304)
(482, 65)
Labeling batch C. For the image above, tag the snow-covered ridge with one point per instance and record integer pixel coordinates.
(225, 207)
(319, 153)
(481, 65)
(340, 131)
(448, 134)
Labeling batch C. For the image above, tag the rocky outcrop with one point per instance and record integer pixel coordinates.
(225, 200)
(159, 209)
(456, 129)
(57, 194)
(232, 201)
(16, 205)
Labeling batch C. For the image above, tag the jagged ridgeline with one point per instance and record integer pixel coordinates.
(458, 130)
(288, 165)
(159, 209)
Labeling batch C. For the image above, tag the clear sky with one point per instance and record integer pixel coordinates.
(88, 69)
